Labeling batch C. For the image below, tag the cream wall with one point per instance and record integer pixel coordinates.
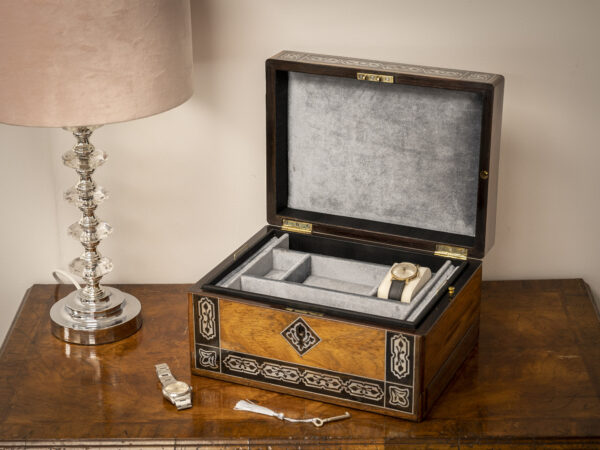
(189, 185)
(28, 224)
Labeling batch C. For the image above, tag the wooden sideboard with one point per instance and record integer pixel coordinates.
(533, 381)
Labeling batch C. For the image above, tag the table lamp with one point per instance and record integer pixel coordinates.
(79, 64)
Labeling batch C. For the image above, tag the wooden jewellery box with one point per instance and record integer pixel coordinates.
(368, 164)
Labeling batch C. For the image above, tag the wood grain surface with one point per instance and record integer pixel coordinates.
(344, 347)
(533, 382)
(350, 349)
(445, 335)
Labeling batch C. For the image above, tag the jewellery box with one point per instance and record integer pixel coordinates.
(368, 164)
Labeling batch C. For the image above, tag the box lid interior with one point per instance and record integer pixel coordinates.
(394, 159)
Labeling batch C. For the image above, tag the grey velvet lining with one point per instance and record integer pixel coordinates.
(346, 284)
(333, 299)
(399, 154)
(258, 264)
(339, 274)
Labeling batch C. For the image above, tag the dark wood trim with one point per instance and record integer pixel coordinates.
(326, 64)
(236, 257)
(277, 171)
(450, 367)
(303, 394)
(494, 165)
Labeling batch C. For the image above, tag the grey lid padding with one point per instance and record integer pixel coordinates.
(398, 154)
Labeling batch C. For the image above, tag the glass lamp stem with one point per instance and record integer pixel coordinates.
(90, 260)
(95, 314)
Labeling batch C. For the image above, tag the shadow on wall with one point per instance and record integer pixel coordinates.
(205, 70)
(202, 31)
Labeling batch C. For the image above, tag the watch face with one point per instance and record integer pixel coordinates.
(177, 388)
(404, 271)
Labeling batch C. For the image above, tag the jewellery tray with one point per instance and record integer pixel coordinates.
(368, 164)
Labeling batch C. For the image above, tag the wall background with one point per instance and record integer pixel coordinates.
(189, 185)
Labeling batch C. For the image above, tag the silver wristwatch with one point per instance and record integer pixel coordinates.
(177, 392)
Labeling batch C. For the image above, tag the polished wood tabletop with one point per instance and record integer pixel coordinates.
(533, 381)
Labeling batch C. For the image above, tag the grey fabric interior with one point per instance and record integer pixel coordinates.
(347, 284)
(258, 264)
(339, 274)
(399, 154)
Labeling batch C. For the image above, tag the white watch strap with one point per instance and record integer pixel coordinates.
(410, 288)
(415, 285)
(384, 286)
(164, 374)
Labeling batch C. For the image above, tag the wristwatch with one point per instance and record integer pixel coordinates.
(177, 392)
(396, 279)
(399, 275)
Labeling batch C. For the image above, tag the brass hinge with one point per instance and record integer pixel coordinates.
(448, 251)
(297, 227)
(374, 77)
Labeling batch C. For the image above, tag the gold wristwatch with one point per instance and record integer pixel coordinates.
(401, 274)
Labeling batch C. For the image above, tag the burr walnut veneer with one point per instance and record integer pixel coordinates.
(533, 381)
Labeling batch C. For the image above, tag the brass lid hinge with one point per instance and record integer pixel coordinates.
(297, 227)
(448, 251)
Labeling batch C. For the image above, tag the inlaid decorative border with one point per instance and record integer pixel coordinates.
(208, 358)
(206, 320)
(386, 67)
(300, 336)
(207, 325)
(399, 397)
(400, 358)
(333, 384)
(395, 392)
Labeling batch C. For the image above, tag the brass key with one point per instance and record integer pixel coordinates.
(317, 422)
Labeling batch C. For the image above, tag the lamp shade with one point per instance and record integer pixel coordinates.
(91, 62)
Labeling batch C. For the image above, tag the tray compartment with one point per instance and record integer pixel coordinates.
(339, 274)
(333, 282)
(273, 261)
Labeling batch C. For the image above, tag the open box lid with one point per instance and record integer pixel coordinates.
(393, 153)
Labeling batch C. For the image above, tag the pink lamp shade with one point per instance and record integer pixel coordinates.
(91, 62)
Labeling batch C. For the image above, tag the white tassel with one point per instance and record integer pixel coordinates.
(247, 405)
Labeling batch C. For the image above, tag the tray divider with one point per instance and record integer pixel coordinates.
(299, 271)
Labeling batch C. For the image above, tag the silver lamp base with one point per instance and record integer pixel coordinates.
(113, 319)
